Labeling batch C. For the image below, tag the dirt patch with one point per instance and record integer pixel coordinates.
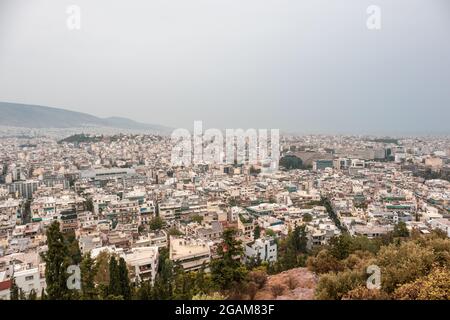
(294, 284)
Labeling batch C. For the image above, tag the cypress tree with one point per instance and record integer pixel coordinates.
(32, 295)
(145, 291)
(114, 288)
(14, 290)
(125, 286)
(56, 264)
(88, 271)
(43, 294)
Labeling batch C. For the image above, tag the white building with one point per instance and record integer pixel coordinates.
(264, 249)
(191, 254)
(442, 224)
(143, 263)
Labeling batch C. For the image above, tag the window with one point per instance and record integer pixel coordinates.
(29, 278)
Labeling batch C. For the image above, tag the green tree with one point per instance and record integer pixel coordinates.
(227, 270)
(163, 286)
(56, 261)
(197, 218)
(290, 162)
(88, 269)
(332, 286)
(22, 295)
(73, 247)
(340, 246)
(156, 223)
(145, 291)
(434, 286)
(43, 294)
(270, 233)
(32, 295)
(400, 230)
(114, 287)
(125, 286)
(257, 232)
(307, 217)
(14, 290)
(298, 239)
(89, 205)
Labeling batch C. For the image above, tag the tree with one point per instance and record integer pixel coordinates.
(43, 294)
(73, 247)
(163, 286)
(307, 217)
(324, 262)
(114, 287)
(340, 246)
(298, 239)
(403, 263)
(292, 250)
(174, 232)
(434, 286)
(32, 295)
(197, 218)
(227, 270)
(290, 162)
(332, 286)
(101, 277)
(125, 286)
(56, 261)
(88, 269)
(14, 290)
(270, 233)
(156, 223)
(400, 230)
(145, 291)
(257, 232)
(22, 295)
(89, 205)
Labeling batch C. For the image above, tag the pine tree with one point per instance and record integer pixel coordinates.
(22, 295)
(227, 270)
(298, 240)
(14, 290)
(73, 247)
(145, 291)
(163, 288)
(56, 263)
(88, 271)
(114, 288)
(125, 286)
(32, 295)
(257, 232)
(43, 294)
(400, 230)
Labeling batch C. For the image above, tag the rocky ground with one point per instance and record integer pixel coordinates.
(294, 284)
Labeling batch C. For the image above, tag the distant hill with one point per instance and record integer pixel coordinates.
(31, 116)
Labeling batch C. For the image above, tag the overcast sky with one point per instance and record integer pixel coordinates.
(300, 66)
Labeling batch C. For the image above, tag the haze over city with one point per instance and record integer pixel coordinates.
(300, 66)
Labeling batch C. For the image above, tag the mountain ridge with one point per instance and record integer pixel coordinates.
(39, 117)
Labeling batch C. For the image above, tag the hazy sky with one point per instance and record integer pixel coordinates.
(303, 66)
